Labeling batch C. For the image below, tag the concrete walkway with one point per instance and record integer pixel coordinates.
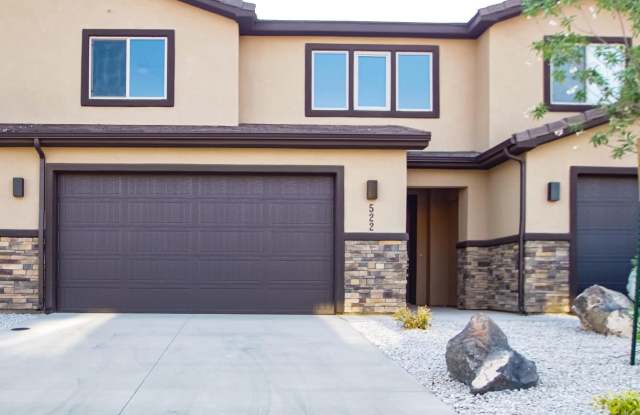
(201, 364)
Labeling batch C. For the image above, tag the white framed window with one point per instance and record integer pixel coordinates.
(128, 68)
(372, 81)
(414, 81)
(330, 80)
(566, 92)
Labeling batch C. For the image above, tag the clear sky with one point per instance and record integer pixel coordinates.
(373, 10)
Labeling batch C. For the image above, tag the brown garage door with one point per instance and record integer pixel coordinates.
(606, 231)
(195, 243)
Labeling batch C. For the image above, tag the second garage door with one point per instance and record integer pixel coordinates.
(195, 243)
(606, 231)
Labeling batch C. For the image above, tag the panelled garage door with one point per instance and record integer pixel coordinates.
(606, 231)
(195, 243)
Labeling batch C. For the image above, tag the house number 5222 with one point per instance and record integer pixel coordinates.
(372, 212)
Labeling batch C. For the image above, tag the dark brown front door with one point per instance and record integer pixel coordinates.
(195, 243)
(606, 231)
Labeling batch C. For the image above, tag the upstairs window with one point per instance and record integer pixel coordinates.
(372, 84)
(331, 81)
(128, 68)
(574, 94)
(394, 81)
(414, 91)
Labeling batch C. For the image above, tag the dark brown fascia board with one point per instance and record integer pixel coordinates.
(374, 236)
(18, 233)
(483, 20)
(519, 143)
(357, 29)
(243, 136)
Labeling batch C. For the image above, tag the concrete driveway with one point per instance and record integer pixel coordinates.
(201, 364)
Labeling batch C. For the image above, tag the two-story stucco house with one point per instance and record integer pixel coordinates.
(186, 156)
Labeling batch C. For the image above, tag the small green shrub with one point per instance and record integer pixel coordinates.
(626, 403)
(420, 319)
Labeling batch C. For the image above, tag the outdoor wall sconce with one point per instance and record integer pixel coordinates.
(553, 191)
(372, 189)
(18, 187)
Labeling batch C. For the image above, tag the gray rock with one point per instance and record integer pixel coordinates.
(604, 311)
(505, 370)
(480, 356)
(631, 285)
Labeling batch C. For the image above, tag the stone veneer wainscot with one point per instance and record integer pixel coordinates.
(488, 277)
(18, 274)
(375, 276)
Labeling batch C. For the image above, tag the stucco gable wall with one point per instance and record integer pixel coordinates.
(516, 71)
(41, 51)
(272, 82)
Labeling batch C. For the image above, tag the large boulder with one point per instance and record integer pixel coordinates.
(604, 311)
(480, 356)
(631, 285)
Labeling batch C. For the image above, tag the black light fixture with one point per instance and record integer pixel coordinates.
(372, 189)
(553, 191)
(18, 187)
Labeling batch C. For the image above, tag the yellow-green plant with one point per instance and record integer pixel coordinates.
(626, 403)
(420, 319)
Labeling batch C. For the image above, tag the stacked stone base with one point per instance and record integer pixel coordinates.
(488, 277)
(375, 276)
(18, 274)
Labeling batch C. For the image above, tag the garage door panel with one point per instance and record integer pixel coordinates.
(222, 213)
(299, 272)
(606, 217)
(93, 270)
(149, 186)
(225, 271)
(195, 243)
(164, 241)
(300, 213)
(154, 212)
(606, 231)
(104, 241)
(89, 185)
(311, 188)
(101, 212)
(618, 241)
(230, 242)
(301, 243)
(233, 186)
(172, 271)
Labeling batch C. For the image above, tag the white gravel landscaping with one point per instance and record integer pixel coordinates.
(574, 365)
(9, 321)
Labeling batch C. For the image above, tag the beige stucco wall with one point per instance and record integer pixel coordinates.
(41, 49)
(473, 198)
(19, 213)
(488, 202)
(552, 162)
(388, 167)
(272, 71)
(516, 71)
(503, 185)
(483, 87)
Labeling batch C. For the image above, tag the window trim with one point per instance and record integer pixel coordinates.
(547, 77)
(356, 73)
(351, 111)
(342, 52)
(401, 53)
(85, 90)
